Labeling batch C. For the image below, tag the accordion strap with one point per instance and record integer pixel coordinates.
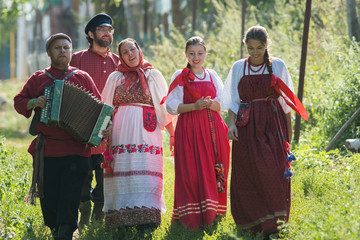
(57, 78)
(36, 118)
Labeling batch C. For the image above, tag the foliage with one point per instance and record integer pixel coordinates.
(12, 125)
(325, 194)
(345, 99)
(325, 186)
(17, 218)
(167, 54)
(9, 11)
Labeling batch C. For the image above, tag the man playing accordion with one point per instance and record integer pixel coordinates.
(60, 161)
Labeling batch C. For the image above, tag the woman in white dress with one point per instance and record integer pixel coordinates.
(133, 180)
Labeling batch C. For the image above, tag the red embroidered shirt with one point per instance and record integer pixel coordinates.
(58, 142)
(99, 68)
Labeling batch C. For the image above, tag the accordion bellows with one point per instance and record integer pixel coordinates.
(77, 111)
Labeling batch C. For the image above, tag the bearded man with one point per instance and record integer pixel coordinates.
(98, 62)
(60, 162)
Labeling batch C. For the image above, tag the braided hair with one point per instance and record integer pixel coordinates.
(196, 40)
(259, 33)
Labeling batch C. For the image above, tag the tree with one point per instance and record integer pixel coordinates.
(178, 14)
(352, 9)
(9, 11)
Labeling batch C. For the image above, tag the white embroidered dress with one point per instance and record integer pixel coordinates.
(138, 157)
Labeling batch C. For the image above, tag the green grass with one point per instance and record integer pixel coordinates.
(325, 193)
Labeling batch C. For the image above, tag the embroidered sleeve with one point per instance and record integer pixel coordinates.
(218, 85)
(159, 89)
(230, 95)
(113, 80)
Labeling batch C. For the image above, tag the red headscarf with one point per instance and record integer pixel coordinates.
(183, 80)
(135, 76)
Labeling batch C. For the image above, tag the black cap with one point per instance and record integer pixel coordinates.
(98, 20)
(56, 36)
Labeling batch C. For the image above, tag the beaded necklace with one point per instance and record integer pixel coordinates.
(198, 77)
(262, 66)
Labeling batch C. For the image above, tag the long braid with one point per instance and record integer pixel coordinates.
(259, 33)
(268, 61)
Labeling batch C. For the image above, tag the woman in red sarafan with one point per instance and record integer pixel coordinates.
(200, 141)
(259, 95)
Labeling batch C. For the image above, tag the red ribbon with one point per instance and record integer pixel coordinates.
(183, 80)
(295, 103)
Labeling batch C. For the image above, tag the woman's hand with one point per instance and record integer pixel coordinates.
(171, 142)
(209, 102)
(232, 132)
(107, 132)
(170, 129)
(212, 105)
(201, 103)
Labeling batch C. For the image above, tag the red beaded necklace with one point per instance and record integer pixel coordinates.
(198, 77)
(255, 71)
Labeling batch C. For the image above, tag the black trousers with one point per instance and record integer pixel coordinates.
(63, 180)
(96, 194)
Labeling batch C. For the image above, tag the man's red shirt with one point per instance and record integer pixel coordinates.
(58, 142)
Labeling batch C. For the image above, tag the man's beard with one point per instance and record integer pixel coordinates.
(101, 42)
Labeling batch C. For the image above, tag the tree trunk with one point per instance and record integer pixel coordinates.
(129, 15)
(352, 20)
(194, 11)
(178, 15)
(146, 7)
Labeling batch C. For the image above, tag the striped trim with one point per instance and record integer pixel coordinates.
(261, 220)
(134, 173)
(198, 208)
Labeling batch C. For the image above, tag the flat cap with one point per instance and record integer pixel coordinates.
(100, 19)
(54, 37)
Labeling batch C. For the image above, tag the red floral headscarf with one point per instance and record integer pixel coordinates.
(183, 80)
(134, 76)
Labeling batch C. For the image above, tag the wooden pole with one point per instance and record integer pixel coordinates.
(12, 56)
(243, 12)
(194, 11)
(342, 130)
(303, 65)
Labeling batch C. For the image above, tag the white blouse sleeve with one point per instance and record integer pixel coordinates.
(280, 70)
(112, 82)
(230, 95)
(176, 97)
(158, 89)
(218, 85)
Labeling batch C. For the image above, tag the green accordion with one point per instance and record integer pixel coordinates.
(77, 111)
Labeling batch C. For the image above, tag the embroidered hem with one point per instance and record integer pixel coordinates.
(132, 217)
